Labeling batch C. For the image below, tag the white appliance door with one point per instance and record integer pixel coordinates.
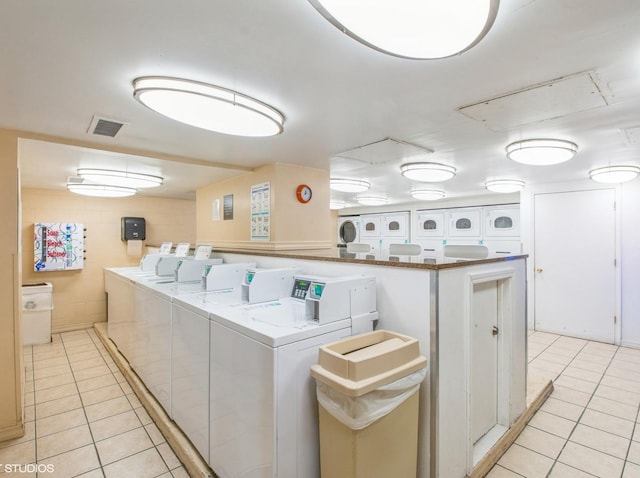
(464, 223)
(502, 222)
(574, 263)
(370, 227)
(429, 224)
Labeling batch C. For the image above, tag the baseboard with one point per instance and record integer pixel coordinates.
(10, 433)
(74, 327)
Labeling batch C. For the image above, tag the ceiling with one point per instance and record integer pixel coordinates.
(64, 62)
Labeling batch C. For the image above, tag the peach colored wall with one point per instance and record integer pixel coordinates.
(11, 364)
(293, 225)
(78, 295)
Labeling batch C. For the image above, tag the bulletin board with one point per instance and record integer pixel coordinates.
(261, 212)
(58, 246)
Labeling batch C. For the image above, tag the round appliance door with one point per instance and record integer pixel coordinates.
(348, 232)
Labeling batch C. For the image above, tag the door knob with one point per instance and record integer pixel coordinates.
(539, 269)
(494, 331)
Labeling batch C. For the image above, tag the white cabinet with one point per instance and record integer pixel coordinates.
(429, 224)
(464, 223)
(502, 221)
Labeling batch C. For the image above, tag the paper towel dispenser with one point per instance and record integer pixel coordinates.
(133, 228)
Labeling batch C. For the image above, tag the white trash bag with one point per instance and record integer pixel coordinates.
(360, 412)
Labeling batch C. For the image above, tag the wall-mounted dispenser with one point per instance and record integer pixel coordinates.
(133, 228)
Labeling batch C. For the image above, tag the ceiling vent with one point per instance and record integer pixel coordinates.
(104, 126)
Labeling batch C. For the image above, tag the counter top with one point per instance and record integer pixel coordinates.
(332, 255)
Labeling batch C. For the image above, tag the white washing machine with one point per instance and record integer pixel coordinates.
(191, 345)
(263, 415)
(151, 357)
(348, 229)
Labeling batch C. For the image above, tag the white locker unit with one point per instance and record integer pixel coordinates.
(429, 224)
(370, 227)
(464, 223)
(502, 221)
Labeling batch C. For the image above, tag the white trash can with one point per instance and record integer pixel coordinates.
(37, 304)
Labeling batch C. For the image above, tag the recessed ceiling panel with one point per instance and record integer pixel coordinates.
(385, 151)
(533, 104)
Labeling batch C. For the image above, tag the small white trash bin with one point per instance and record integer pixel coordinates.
(37, 304)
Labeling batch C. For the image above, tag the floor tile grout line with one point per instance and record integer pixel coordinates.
(581, 415)
(93, 441)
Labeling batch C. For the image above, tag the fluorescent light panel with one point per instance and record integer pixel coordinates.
(372, 200)
(427, 194)
(419, 29)
(541, 152)
(100, 190)
(614, 174)
(428, 172)
(207, 106)
(120, 178)
(349, 185)
(504, 185)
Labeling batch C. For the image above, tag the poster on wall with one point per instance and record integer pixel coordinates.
(58, 246)
(261, 212)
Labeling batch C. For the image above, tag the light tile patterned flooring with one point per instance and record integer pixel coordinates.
(589, 426)
(83, 418)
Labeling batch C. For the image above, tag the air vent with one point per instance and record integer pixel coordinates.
(104, 126)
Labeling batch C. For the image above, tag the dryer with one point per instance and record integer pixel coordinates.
(348, 229)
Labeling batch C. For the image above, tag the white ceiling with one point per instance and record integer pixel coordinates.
(63, 62)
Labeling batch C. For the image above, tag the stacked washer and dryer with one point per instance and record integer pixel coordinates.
(443, 235)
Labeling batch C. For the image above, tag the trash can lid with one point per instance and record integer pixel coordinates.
(359, 364)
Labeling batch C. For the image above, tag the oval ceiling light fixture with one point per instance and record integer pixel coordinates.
(427, 194)
(415, 29)
(428, 172)
(100, 190)
(120, 178)
(372, 200)
(541, 152)
(349, 185)
(614, 174)
(207, 106)
(504, 185)
(336, 204)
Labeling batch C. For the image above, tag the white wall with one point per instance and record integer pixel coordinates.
(629, 209)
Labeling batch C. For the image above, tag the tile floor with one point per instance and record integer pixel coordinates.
(589, 426)
(83, 418)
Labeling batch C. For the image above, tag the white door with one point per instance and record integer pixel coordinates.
(574, 263)
(484, 359)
